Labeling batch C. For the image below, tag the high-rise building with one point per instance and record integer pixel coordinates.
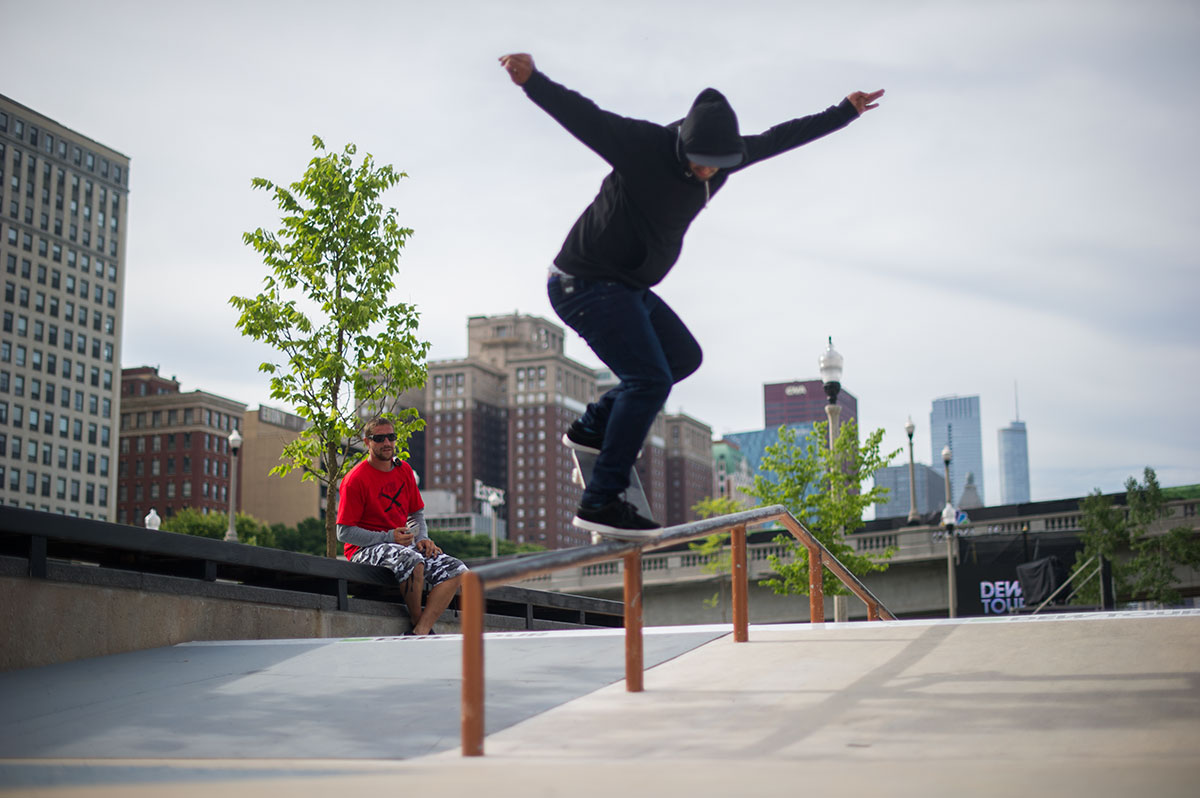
(63, 202)
(803, 402)
(1014, 464)
(753, 445)
(930, 490)
(498, 417)
(174, 448)
(689, 468)
(955, 422)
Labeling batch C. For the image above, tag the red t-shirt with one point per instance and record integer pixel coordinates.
(377, 500)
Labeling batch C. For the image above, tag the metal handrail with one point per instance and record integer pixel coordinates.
(476, 582)
(1068, 581)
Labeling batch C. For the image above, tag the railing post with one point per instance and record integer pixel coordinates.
(816, 586)
(633, 621)
(472, 603)
(741, 609)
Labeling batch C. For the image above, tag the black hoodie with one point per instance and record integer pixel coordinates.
(633, 231)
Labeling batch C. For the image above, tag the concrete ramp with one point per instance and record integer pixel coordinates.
(1096, 705)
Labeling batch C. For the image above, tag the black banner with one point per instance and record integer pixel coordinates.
(988, 582)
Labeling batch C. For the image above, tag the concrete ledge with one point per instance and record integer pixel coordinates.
(75, 588)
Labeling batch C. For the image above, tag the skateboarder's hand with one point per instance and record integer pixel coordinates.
(519, 67)
(864, 101)
(402, 536)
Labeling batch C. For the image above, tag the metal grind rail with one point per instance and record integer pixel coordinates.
(477, 582)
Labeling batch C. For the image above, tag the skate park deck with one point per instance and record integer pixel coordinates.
(1091, 704)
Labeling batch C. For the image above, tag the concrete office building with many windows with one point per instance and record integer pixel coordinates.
(497, 417)
(63, 203)
(689, 467)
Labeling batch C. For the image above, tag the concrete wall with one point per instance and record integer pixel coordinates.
(45, 622)
(914, 589)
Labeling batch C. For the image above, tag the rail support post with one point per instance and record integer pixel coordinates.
(741, 608)
(816, 586)
(633, 622)
(472, 664)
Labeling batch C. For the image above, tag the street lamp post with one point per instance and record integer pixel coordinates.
(830, 364)
(912, 479)
(235, 443)
(494, 497)
(949, 516)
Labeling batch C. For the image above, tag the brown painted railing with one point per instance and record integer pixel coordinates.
(477, 582)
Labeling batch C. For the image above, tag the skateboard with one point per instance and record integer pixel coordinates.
(635, 495)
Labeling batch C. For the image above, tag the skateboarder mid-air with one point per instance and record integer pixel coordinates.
(624, 244)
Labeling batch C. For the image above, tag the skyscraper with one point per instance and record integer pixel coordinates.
(63, 207)
(1014, 464)
(689, 467)
(498, 416)
(930, 488)
(955, 422)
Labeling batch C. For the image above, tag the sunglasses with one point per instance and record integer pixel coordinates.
(391, 436)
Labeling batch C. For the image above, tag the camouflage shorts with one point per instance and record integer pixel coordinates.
(402, 560)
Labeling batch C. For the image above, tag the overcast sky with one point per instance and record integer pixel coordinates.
(1021, 210)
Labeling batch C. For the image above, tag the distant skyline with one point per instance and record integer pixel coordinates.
(1013, 443)
(1021, 206)
(955, 421)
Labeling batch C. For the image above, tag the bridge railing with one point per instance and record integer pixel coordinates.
(477, 582)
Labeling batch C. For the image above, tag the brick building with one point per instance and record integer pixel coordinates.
(174, 447)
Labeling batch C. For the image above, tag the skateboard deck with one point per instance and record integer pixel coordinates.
(635, 495)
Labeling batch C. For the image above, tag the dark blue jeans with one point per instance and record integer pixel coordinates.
(648, 348)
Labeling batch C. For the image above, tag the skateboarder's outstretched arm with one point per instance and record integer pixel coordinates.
(611, 136)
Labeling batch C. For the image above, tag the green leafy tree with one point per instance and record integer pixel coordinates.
(347, 346)
(190, 521)
(718, 559)
(307, 537)
(478, 547)
(1143, 563)
(823, 489)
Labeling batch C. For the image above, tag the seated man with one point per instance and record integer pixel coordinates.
(382, 522)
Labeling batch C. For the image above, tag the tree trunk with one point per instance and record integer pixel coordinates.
(332, 547)
(331, 541)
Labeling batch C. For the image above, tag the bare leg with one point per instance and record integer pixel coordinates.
(412, 593)
(436, 604)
